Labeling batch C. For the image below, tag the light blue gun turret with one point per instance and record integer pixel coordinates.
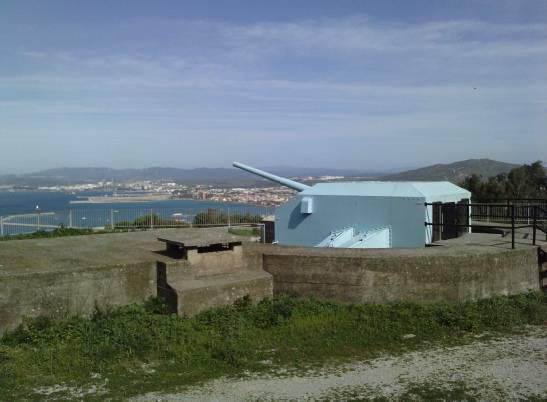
(365, 214)
(281, 180)
(300, 209)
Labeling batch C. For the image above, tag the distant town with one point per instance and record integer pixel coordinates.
(228, 185)
(139, 191)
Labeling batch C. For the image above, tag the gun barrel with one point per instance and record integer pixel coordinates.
(281, 180)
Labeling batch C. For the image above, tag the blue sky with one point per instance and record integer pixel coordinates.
(368, 85)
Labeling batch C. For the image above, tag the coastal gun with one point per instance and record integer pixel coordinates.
(367, 214)
(281, 180)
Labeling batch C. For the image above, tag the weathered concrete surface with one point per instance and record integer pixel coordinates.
(202, 294)
(207, 279)
(66, 276)
(475, 266)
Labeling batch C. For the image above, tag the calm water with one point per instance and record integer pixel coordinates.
(25, 202)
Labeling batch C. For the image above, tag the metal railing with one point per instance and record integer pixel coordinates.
(496, 212)
(519, 216)
(514, 215)
(132, 218)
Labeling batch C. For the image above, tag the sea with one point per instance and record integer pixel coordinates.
(25, 202)
(18, 210)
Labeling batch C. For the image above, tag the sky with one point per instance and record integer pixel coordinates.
(369, 85)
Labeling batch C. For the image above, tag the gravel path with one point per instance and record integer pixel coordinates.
(511, 368)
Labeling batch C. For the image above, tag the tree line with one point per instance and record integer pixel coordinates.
(523, 182)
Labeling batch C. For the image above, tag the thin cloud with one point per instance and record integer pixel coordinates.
(309, 81)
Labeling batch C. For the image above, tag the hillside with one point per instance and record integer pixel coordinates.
(167, 173)
(453, 172)
(210, 176)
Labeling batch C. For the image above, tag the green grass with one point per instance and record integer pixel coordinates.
(125, 351)
(59, 231)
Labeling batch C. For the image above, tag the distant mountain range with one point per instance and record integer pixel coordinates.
(453, 172)
(165, 173)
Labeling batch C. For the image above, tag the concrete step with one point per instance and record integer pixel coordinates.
(194, 296)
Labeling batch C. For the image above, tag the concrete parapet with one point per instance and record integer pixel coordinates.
(66, 293)
(426, 275)
(68, 276)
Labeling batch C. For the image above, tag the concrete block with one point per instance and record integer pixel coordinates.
(198, 295)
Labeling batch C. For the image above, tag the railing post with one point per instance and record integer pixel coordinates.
(1, 226)
(69, 219)
(535, 223)
(513, 226)
(112, 219)
(151, 219)
(228, 217)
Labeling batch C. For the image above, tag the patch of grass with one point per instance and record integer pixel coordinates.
(245, 231)
(60, 231)
(136, 349)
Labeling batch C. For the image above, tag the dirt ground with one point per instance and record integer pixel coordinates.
(510, 368)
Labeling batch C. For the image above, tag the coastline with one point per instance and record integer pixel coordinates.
(153, 198)
(25, 202)
(112, 200)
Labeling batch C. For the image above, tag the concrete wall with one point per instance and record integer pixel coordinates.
(63, 277)
(65, 293)
(432, 275)
(66, 276)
